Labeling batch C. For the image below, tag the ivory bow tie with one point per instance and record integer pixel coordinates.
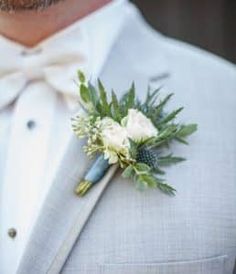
(56, 65)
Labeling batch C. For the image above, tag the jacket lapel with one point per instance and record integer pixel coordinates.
(63, 214)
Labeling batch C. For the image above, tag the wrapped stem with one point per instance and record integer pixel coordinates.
(92, 176)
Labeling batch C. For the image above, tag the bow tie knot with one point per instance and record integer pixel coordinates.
(33, 73)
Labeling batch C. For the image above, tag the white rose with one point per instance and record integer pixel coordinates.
(114, 138)
(138, 126)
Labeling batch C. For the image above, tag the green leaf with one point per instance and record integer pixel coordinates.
(81, 76)
(84, 93)
(128, 172)
(133, 149)
(160, 106)
(93, 95)
(181, 140)
(141, 167)
(140, 184)
(165, 188)
(157, 170)
(103, 98)
(149, 180)
(131, 96)
(128, 100)
(170, 116)
(151, 97)
(186, 130)
(115, 107)
(169, 160)
(100, 109)
(164, 136)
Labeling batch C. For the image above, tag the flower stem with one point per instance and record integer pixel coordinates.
(83, 187)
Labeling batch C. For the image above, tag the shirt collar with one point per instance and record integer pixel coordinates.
(96, 31)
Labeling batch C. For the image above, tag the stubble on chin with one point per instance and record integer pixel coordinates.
(24, 5)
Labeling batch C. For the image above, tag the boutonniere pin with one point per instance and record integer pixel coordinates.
(128, 133)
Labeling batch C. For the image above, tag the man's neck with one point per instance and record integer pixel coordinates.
(30, 27)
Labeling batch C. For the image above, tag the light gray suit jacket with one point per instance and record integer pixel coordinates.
(132, 232)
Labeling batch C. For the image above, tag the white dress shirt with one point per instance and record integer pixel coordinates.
(35, 123)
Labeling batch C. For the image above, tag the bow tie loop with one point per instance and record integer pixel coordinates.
(10, 86)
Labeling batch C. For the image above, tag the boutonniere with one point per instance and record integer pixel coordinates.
(129, 133)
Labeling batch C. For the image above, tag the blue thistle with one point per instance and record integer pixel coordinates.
(147, 156)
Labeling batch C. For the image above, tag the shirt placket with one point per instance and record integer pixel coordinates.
(23, 180)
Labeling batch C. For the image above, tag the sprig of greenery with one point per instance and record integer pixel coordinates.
(99, 105)
(142, 175)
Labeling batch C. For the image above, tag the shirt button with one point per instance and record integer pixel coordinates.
(31, 124)
(28, 52)
(12, 232)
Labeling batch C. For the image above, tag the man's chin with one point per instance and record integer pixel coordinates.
(24, 5)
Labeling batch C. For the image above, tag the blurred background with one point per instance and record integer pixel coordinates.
(209, 24)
